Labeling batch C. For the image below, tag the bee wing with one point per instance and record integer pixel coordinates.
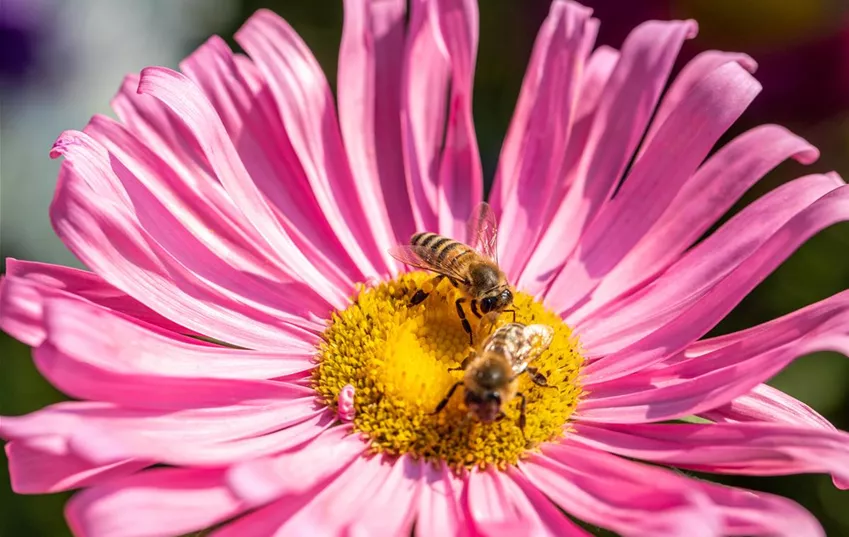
(482, 231)
(537, 337)
(425, 258)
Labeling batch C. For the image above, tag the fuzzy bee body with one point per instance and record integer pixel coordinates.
(471, 269)
(491, 378)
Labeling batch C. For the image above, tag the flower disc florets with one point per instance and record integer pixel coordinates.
(398, 359)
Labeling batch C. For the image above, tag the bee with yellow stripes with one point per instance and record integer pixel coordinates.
(473, 269)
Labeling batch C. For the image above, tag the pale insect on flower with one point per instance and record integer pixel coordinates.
(231, 204)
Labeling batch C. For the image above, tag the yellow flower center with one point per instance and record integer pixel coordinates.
(397, 357)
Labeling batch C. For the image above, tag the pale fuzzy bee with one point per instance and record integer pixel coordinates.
(491, 378)
(473, 269)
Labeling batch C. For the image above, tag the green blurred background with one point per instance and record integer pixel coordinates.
(59, 65)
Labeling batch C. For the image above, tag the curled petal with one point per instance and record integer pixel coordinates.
(637, 315)
(248, 112)
(306, 106)
(716, 302)
(710, 108)
(728, 448)
(628, 100)
(765, 403)
(535, 147)
(707, 381)
(187, 101)
(371, 58)
(460, 173)
(702, 200)
(91, 213)
(424, 97)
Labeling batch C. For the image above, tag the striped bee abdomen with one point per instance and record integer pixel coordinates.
(443, 248)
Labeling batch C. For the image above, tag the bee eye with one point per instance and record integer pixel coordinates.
(506, 297)
(487, 304)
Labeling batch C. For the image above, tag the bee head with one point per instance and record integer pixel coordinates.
(487, 406)
(497, 302)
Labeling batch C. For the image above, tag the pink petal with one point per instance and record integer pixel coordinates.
(460, 173)
(765, 403)
(599, 68)
(498, 506)
(535, 147)
(28, 283)
(690, 131)
(511, 155)
(746, 512)
(702, 200)
(728, 448)
(93, 220)
(199, 236)
(626, 105)
(706, 381)
(623, 496)
(69, 370)
(552, 517)
(440, 511)
(371, 497)
(248, 112)
(35, 471)
(102, 340)
(637, 315)
(167, 136)
(696, 69)
(187, 101)
(718, 300)
(424, 97)
(159, 502)
(196, 185)
(371, 57)
(307, 110)
(105, 434)
(296, 472)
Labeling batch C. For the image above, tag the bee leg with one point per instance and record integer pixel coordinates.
(475, 308)
(501, 415)
(538, 378)
(510, 311)
(462, 314)
(420, 295)
(444, 402)
(522, 413)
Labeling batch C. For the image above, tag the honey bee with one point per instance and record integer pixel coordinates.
(491, 378)
(473, 269)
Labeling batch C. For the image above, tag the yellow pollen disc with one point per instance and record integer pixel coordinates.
(397, 358)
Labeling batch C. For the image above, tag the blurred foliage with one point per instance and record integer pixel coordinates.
(802, 46)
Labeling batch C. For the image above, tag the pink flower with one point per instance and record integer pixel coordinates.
(230, 202)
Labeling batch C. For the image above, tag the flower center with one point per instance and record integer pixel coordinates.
(398, 359)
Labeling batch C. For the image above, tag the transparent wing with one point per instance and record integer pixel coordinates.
(425, 258)
(537, 339)
(482, 231)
